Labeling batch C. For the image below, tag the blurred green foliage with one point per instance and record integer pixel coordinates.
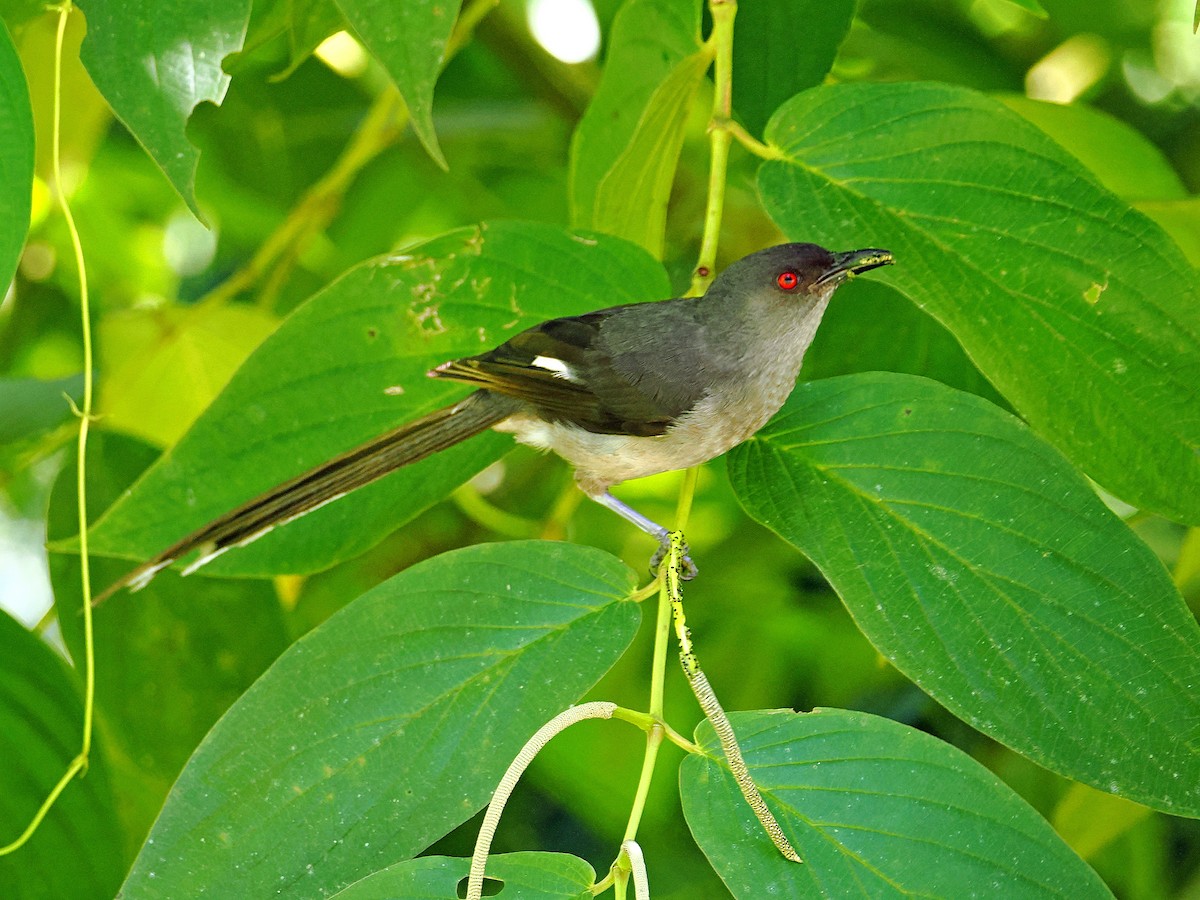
(305, 171)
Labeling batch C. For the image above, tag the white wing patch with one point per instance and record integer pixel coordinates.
(555, 365)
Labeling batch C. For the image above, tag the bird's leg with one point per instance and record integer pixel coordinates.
(656, 531)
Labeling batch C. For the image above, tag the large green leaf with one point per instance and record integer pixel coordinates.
(350, 363)
(155, 61)
(409, 39)
(1079, 309)
(875, 809)
(16, 158)
(530, 876)
(986, 569)
(76, 851)
(389, 724)
(780, 48)
(650, 44)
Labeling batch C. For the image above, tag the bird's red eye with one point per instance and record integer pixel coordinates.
(788, 281)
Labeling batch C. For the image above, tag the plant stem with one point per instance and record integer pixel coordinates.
(79, 764)
(723, 13)
(383, 124)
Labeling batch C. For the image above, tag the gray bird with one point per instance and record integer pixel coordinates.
(620, 393)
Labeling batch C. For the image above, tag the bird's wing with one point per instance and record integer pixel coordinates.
(571, 370)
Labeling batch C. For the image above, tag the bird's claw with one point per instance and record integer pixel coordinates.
(687, 569)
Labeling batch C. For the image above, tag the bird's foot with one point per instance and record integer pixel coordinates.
(687, 569)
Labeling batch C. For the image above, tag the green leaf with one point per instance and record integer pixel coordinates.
(349, 364)
(650, 39)
(986, 569)
(530, 876)
(1120, 157)
(390, 724)
(16, 158)
(780, 48)
(631, 199)
(76, 851)
(1079, 309)
(409, 39)
(169, 660)
(875, 809)
(155, 61)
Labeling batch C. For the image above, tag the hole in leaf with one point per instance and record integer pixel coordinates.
(491, 887)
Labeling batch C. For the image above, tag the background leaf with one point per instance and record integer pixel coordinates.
(155, 61)
(650, 40)
(631, 199)
(1070, 302)
(409, 39)
(365, 742)
(780, 48)
(29, 406)
(1120, 157)
(77, 849)
(875, 809)
(367, 342)
(16, 157)
(987, 571)
(169, 660)
(871, 327)
(164, 366)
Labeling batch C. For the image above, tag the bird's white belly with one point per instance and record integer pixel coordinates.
(602, 460)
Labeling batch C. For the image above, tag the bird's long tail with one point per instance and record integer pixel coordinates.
(409, 443)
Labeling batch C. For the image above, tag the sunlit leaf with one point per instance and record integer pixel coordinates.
(164, 366)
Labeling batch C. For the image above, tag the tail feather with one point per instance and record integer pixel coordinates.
(409, 443)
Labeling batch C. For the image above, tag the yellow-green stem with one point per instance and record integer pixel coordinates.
(723, 13)
(80, 763)
(384, 122)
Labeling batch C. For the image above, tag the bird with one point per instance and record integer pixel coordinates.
(620, 393)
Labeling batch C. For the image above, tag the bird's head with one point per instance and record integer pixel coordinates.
(805, 272)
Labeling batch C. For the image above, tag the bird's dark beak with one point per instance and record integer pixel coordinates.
(855, 262)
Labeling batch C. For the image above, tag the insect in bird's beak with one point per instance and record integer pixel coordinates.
(855, 262)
